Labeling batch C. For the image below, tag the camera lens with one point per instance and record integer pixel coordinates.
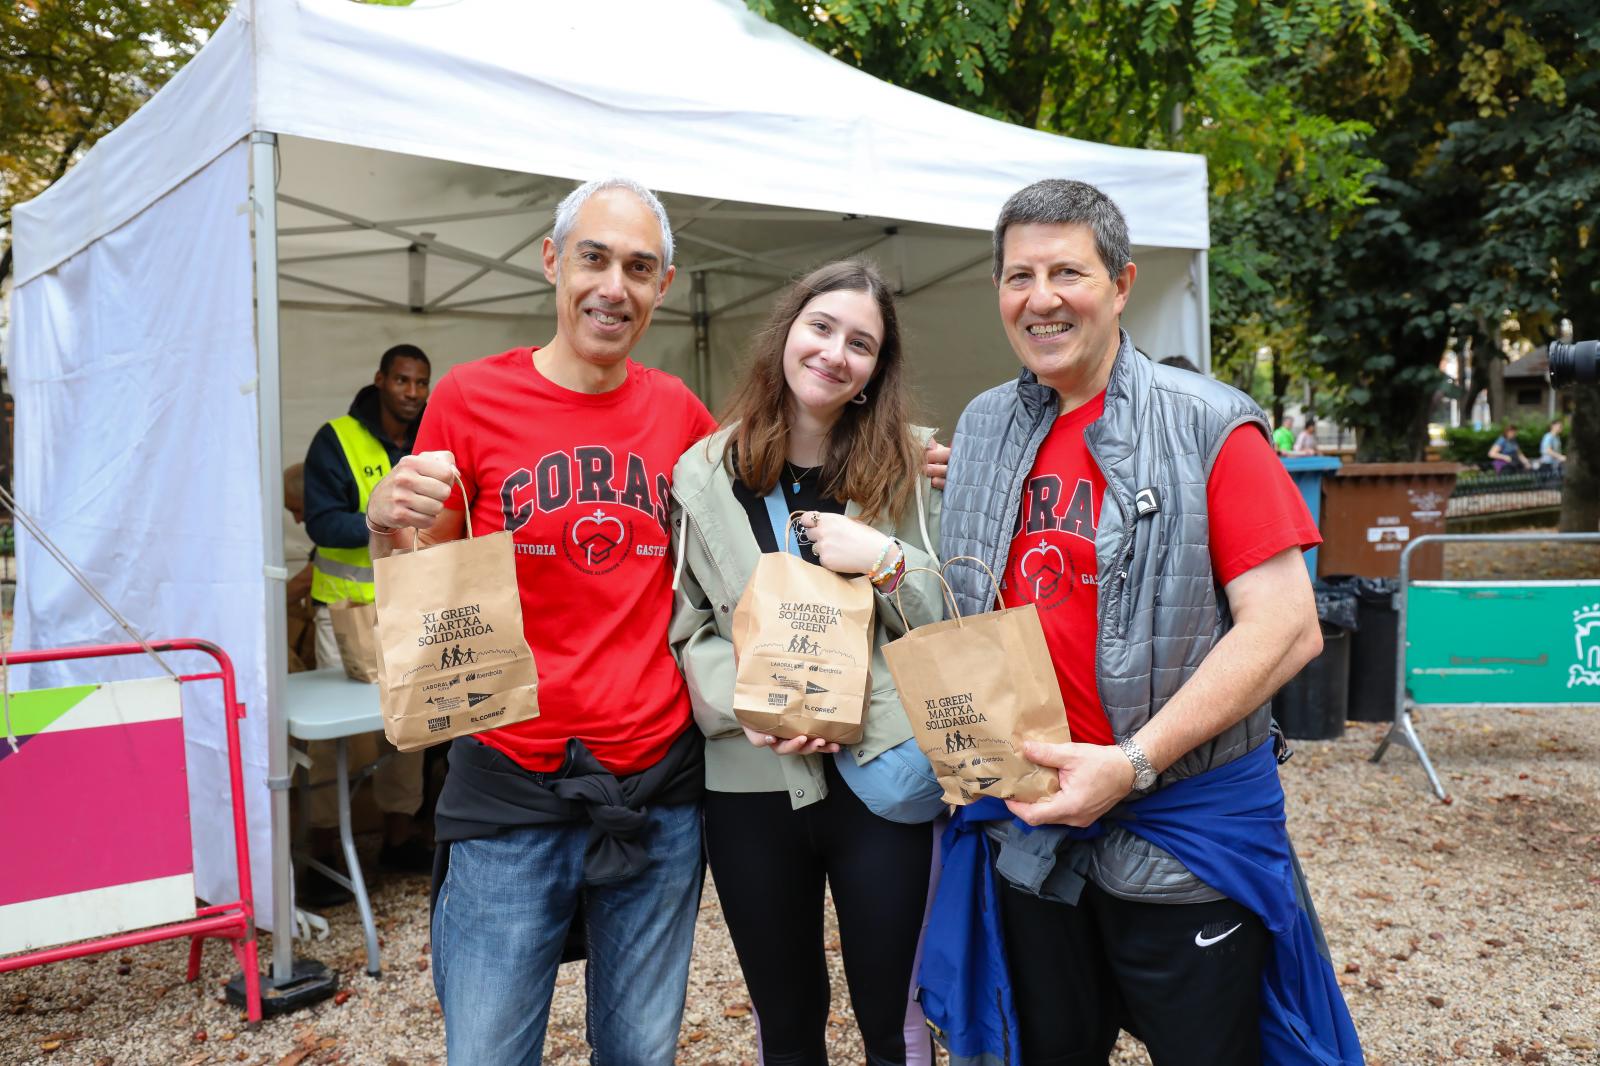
(1571, 363)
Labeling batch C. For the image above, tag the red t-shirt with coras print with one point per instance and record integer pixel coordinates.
(1255, 512)
(582, 483)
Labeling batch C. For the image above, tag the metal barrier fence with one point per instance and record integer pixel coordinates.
(1492, 643)
(1480, 492)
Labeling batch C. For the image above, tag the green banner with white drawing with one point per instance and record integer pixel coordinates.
(1503, 642)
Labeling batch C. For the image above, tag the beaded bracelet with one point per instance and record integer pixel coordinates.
(896, 577)
(872, 574)
(877, 577)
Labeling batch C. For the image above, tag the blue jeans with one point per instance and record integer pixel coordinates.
(503, 914)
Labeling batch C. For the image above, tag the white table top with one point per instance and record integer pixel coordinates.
(326, 705)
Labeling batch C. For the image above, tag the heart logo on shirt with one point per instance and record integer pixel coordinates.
(1044, 576)
(597, 542)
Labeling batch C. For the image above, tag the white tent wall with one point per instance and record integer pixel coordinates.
(130, 359)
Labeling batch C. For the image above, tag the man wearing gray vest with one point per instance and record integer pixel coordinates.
(1142, 510)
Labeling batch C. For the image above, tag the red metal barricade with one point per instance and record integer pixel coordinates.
(234, 922)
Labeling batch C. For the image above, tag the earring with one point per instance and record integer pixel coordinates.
(859, 398)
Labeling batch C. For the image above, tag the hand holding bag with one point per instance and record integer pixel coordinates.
(974, 689)
(452, 656)
(802, 646)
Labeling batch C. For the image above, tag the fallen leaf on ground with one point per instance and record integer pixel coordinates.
(1436, 1001)
(736, 1010)
(341, 997)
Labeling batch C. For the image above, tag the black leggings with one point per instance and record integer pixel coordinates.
(769, 863)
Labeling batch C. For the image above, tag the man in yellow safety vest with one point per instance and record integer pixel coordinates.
(347, 457)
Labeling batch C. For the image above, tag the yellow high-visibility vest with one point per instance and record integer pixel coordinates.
(346, 573)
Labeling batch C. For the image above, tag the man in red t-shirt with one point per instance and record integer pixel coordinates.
(592, 807)
(1143, 512)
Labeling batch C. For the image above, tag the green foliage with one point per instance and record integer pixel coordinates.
(1236, 80)
(1484, 205)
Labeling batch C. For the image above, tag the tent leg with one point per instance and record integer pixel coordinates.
(1202, 270)
(263, 180)
(700, 317)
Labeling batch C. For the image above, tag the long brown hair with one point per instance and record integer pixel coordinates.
(870, 456)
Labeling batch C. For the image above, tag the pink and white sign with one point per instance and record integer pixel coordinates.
(94, 833)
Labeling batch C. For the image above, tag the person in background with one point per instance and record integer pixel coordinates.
(346, 460)
(1550, 454)
(1306, 442)
(1283, 436)
(818, 424)
(1505, 453)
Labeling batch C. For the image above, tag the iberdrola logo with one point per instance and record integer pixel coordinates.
(1586, 637)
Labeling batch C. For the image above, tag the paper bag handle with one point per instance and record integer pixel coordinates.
(980, 562)
(949, 597)
(466, 511)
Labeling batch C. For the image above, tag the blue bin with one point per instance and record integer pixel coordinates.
(1308, 472)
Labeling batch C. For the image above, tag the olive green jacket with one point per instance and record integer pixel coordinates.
(717, 553)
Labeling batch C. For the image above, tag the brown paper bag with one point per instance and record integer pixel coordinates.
(355, 629)
(802, 640)
(452, 659)
(974, 689)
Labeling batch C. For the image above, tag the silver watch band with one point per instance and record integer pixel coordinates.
(1144, 775)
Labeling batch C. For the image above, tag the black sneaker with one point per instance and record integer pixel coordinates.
(408, 857)
(317, 890)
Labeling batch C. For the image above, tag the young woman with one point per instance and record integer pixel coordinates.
(818, 425)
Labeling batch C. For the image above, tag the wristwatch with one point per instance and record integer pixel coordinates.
(1144, 775)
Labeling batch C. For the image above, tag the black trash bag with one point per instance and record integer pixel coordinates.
(1336, 605)
(1373, 662)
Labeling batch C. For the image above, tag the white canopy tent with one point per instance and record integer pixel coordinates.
(361, 175)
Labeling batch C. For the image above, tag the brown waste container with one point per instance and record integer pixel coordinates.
(1371, 511)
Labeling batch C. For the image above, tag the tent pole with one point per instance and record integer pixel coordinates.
(1202, 269)
(700, 317)
(263, 173)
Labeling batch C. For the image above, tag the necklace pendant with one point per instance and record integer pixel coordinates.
(795, 487)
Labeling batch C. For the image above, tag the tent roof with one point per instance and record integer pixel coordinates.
(697, 97)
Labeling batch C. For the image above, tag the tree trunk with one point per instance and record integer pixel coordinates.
(1497, 388)
(1280, 382)
(1580, 491)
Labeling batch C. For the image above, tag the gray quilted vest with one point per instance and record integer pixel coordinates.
(1160, 609)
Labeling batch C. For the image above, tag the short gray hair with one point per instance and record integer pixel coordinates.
(567, 211)
(1061, 200)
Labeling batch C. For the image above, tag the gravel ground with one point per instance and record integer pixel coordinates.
(1463, 932)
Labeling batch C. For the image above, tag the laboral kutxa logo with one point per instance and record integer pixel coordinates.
(1586, 639)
